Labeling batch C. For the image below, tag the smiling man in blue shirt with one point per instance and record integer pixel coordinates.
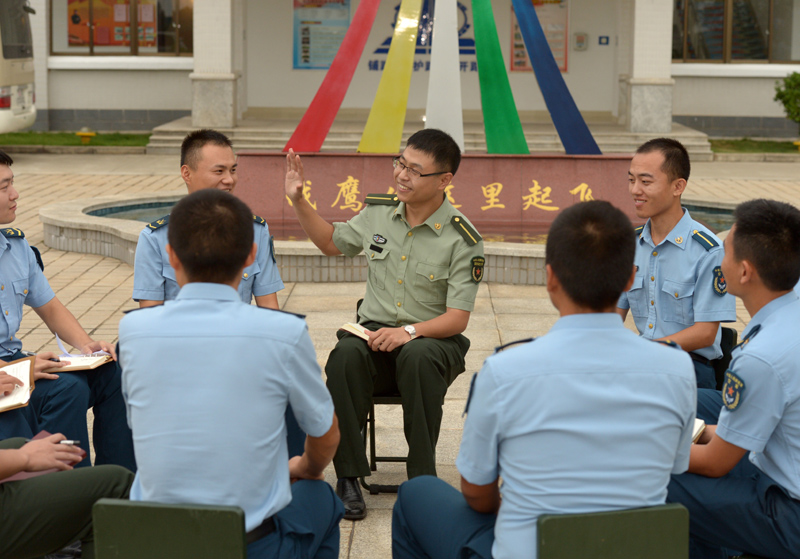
(678, 292)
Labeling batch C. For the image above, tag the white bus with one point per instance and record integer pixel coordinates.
(17, 96)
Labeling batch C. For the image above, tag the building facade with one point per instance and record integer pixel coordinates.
(709, 64)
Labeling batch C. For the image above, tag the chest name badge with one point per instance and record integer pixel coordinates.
(732, 390)
(378, 239)
(720, 285)
(477, 268)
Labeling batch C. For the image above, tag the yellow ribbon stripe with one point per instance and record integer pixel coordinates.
(384, 129)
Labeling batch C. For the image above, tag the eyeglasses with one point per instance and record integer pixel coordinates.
(413, 173)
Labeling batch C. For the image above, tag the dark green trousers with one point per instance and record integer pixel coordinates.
(421, 371)
(43, 514)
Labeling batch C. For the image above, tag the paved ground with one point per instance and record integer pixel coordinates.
(97, 290)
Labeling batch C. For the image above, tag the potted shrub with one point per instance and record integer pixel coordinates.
(788, 93)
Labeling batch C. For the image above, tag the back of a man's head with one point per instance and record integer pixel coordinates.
(194, 142)
(439, 145)
(590, 248)
(676, 158)
(5, 159)
(211, 233)
(767, 234)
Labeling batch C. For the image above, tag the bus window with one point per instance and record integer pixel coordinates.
(17, 109)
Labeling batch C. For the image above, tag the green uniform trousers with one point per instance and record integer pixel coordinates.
(421, 371)
(43, 514)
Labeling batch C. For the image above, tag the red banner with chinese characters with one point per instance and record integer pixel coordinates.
(506, 197)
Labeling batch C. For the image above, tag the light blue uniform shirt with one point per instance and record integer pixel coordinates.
(674, 285)
(797, 288)
(761, 393)
(154, 278)
(21, 282)
(589, 417)
(206, 380)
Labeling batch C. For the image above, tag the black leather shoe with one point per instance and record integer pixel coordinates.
(349, 492)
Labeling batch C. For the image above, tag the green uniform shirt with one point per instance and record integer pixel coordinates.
(414, 273)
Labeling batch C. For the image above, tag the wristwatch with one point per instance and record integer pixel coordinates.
(411, 331)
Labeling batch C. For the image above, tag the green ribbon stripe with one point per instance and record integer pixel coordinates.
(504, 133)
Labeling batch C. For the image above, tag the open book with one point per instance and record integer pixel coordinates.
(23, 370)
(699, 427)
(356, 329)
(80, 363)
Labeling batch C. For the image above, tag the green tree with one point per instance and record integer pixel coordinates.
(788, 93)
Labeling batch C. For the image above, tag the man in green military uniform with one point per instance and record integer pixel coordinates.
(425, 262)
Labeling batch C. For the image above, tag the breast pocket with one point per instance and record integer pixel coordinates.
(21, 290)
(377, 263)
(679, 302)
(430, 285)
(637, 297)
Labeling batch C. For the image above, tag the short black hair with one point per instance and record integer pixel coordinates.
(676, 158)
(767, 235)
(194, 142)
(211, 232)
(5, 159)
(590, 248)
(439, 145)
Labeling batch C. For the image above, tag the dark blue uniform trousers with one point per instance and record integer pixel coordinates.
(744, 510)
(706, 377)
(307, 528)
(59, 406)
(433, 520)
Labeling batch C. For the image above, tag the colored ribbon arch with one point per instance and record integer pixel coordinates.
(384, 129)
(569, 123)
(501, 123)
(318, 118)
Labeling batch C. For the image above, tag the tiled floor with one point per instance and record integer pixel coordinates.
(97, 290)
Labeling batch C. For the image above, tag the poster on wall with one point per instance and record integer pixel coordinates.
(112, 23)
(319, 29)
(554, 17)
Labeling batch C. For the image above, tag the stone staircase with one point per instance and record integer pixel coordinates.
(269, 130)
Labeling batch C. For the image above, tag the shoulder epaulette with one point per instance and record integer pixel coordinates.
(750, 335)
(704, 239)
(466, 230)
(302, 316)
(382, 199)
(38, 256)
(13, 232)
(500, 348)
(669, 343)
(639, 230)
(259, 220)
(137, 309)
(159, 223)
